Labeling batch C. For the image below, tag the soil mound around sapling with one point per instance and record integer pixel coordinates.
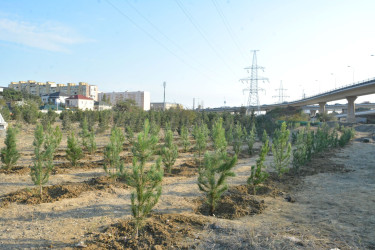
(235, 203)
(65, 167)
(162, 231)
(58, 192)
(15, 170)
(187, 169)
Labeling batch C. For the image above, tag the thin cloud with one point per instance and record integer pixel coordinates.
(46, 36)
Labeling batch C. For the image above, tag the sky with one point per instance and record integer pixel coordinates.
(198, 47)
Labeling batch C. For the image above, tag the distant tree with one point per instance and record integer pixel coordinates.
(128, 105)
(30, 112)
(218, 136)
(91, 147)
(10, 154)
(201, 137)
(264, 136)
(66, 121)
(250, 139)
(113, 165)
(74, 151)
(85, 134)
(169, 151)
(5, 112)
(185, 138)
(238, 138)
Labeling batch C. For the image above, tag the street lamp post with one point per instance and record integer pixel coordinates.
(333, 75)
(353, 71)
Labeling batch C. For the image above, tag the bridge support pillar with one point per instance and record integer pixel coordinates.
(312, 113)
(322, 107)
(351, 109)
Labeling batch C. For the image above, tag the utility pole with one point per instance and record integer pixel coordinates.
(281, 95)
(164, 85)
(252, 82)
(194, 103)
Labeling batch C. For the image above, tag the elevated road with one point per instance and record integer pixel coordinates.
(349, 92)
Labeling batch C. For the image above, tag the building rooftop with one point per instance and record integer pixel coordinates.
(56, 94)
(80, 97)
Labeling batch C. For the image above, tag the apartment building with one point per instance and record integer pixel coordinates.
(141, 98)
(41, 88)
(168, 105)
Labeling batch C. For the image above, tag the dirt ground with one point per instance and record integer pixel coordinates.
(330, 205)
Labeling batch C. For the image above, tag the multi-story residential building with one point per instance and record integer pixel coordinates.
(141, 98)
(40, 88)
(168, 105)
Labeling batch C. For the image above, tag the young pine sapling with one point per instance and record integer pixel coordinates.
(169, 151)
(257, 174)
(212, 178)
(10, 154)
(185, 138)
(74, 151)
(281, 149)
(113, 165)
(238, 137)
(147, 184)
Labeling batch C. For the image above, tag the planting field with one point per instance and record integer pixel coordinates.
(329, 204)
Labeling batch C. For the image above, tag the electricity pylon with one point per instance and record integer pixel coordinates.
(252, 82)
(281, 91)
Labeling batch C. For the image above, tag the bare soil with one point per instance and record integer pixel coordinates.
(329, 204)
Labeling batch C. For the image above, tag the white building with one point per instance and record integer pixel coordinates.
(80, 102)
(141, 98)
(54, 98)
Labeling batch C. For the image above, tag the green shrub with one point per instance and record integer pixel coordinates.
(10, 154)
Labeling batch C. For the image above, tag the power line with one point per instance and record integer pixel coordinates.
(163, 34)
(229, 28)
(201, 32)
(156, 40)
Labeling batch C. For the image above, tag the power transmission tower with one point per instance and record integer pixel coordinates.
(252, 83)
(281, 91)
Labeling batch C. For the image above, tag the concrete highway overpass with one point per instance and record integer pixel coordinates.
(349, 92)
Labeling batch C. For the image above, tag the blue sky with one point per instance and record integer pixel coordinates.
(200, 48)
